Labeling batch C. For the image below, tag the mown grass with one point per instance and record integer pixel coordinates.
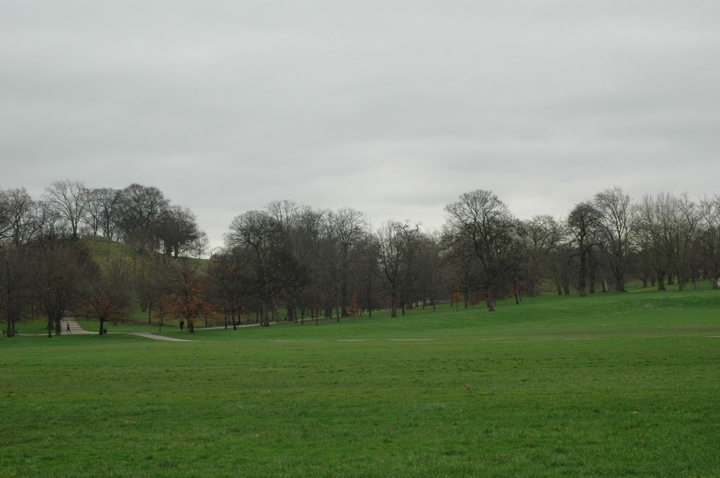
(611, 385)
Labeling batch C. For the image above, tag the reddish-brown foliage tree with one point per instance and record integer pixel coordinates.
(185, 298)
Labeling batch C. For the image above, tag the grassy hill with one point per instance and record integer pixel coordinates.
(609, 385)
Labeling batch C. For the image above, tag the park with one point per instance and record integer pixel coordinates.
(613, 384)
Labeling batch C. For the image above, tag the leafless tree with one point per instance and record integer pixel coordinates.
(347, 227)
(179, 232)
(69, 200)
(140, 209)
(710, 237)
(19, 222)
(538, 239)
(397, 247)
(263, 247)
(15, 291)
(483, 225)
(56, 269)
(616, 230)
(583, 226)
(102, 210)
(668, 227)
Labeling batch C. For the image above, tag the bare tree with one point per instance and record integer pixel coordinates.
(102, 210)
(19, 219)
(583, 224)
(56, 271)
(15, 292)
(105, 295)
(226, 286)
(397, 245)
(140, 209)
(616, 228)
(710, 237)
(185, 297)
(431, 281)
(668, 226)
(483, 225)
(69, 199)
(347, 227)
(150, 281)
(538, 239)
(263, 247)
(179, 232)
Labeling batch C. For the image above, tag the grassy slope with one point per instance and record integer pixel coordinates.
(613, 385)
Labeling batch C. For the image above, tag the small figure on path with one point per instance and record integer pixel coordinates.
(182, 324)
(67, 327)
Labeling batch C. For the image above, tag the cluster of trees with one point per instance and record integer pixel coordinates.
(137, 214)
(314, 263)
(46, 271)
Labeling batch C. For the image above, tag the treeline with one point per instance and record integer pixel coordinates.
(314, 263)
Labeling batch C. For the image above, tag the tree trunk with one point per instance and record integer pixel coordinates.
(490, 301)
(661, 281)
(581, 274)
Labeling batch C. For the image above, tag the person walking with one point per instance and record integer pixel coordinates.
(67, 327)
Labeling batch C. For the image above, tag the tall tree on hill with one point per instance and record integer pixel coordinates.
(179, 232)
(69, 200)
(102, 211)
(19, 223)
(483, 225)
(140, 209)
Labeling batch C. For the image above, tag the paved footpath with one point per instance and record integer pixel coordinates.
(75, 329)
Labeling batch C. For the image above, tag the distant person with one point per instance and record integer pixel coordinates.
(67, 327)
(182, 324)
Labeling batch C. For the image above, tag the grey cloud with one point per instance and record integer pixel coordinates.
(394, 109)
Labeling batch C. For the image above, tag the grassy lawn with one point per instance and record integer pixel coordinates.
(610, 385)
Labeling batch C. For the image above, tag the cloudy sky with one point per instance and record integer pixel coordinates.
(393, 108)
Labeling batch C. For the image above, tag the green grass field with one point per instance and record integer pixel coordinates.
(611, 385)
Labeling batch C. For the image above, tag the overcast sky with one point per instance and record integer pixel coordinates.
(393, 108)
